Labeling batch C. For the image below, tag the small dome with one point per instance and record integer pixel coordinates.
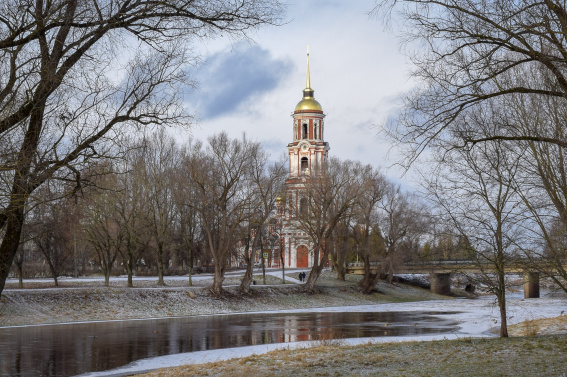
(308, 104)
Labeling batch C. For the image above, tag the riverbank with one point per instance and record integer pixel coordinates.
(78, 300)
(81, 300)
(518, 357)
(476, 318)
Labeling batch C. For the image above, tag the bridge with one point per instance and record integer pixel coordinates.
(440, 273)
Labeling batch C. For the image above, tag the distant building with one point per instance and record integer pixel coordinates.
(308, 152)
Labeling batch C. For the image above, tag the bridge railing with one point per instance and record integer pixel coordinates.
(422, 263)
(442, 262)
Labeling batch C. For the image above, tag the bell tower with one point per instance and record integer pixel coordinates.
(308, 150)
(307, 155)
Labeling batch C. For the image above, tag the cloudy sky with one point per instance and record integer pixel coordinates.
(357, 72)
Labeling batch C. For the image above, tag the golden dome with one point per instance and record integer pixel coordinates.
(308, 102)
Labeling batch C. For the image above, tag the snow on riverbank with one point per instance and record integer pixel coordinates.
(476, 318)
(86, 299)
(79, 303)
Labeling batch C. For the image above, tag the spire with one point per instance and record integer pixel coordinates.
(308, 84)
(308, 92)
(308, 102)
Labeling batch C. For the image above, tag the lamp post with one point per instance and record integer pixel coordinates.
(280, 249)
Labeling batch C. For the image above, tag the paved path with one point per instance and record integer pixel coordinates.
(276, 272)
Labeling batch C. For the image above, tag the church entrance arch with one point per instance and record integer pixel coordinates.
(302, 256)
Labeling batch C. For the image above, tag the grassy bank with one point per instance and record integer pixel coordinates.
(80, 302)
(521, 356)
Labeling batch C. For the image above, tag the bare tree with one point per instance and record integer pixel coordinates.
(77, 73)
(157, 166)
(266, 180)
(341, 246)
(475, 194)
(466, 53)
(402, 221)
(129, 212)
(221, 173)
(49, 231)
(389, 231)
(185, 199)
(366, 231)
(104, 234)
(330, 193)
(363, 231)
(542, 184)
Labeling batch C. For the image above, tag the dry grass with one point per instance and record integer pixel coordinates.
(545, 326)
(523, 355)
(526, 356)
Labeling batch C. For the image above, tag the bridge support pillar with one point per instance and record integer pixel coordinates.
(531, 285)
(440, 283)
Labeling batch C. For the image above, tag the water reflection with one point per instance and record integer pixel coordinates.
(63, 350)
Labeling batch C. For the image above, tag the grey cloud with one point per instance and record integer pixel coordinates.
(229, 79)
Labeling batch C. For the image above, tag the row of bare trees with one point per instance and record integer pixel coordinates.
(161, 204)
(354, 211)
(164, 205)
(489, 116)
(76, 75)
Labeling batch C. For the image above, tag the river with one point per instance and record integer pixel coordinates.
(70, 349)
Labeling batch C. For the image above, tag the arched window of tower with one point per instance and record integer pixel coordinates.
(304, 165)
(315, 130)
(304, 130)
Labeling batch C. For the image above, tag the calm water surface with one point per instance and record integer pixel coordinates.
(66, 350)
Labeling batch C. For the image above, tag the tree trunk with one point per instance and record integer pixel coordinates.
(160, 282)
(263, 264)
(503, 320)
(367, 277)
(371, 282)
(217, 282)
(501, 296)
(190, 267)
(315, 270)
(283, 264)
(390, 272)
(53, 272)
(312, 278)
(20, 190)
(10, 243)
(340, 266)
(249, 256)
(247, 278)
(107, 277)
(20, 267)
(130, 270)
